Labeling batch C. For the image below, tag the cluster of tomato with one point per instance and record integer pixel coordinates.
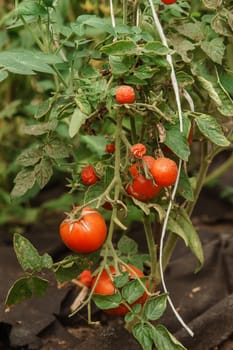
(84, 230)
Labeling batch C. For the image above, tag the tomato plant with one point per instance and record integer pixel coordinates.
(140, 74)
(105, 286)
(85, 234)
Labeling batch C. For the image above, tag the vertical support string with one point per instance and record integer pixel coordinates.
(164, 228)
(112, 14)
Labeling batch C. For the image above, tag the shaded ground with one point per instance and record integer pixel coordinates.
(205, 300)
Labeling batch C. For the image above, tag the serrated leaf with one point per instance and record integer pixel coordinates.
(26, 253)
(211, 129)
(24, 181)
(194, 242)
(155, 307)
(46, 261)
(143, 335)
(120, 48)
(185, 187)
(30, 8)
(132, 291)
(214, 49)
(77, 119)
(43, 109)
(163, 339)
(19, 291)
(105, 302)
(207, 74)
(192, 30)
(27, 62)
(29, 157)
(56, 149)
(24, 288)
(182, 46)
(39, 129)
(127, 245)
(156, 48)
(43, 172)
(120, 280)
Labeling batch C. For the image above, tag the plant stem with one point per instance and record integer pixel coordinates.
(220, 170)
(37, 40)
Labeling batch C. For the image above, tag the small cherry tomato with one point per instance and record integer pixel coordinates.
(85, 278)
(105, 286)
(125, 94)
(168, 2)
(110, 148)
(142, 188)
(148, 160)
(138, 150)
(86, 233)
(88, 175)
(164, 171)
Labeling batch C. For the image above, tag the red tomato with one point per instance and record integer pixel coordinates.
(142, 188)
(149, 160)
(110, 148)
(135, 168)
(105, 286)
(168, 2)
(85, 278)
(164, 171)
(86, 233)
(88, 175)
(125, 94)
(138, 150)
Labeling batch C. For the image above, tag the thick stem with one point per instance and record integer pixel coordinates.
(152, 250)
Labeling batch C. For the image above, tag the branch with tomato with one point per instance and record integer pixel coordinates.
(113, 124)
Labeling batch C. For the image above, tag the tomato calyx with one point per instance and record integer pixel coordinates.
(78, 213)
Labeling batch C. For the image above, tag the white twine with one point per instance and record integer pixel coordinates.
(112, 14)
(164, 228)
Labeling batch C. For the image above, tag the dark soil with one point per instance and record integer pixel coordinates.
(205, 299)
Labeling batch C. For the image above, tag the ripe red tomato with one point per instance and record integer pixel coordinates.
(168, 2)
(110, 148)
(142, 188)
(105, 286)
(85, 278)
(164, 171)
(86, 233)
(149, 160)
(138, 150)
(125, 94)
(88, 175)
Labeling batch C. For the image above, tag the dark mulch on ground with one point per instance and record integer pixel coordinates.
(205, 299)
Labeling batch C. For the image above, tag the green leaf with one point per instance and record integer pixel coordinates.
(176, 140)
(156, 48)
(127, 245)
(185, 187)
(39, 129)
(163, 339)
(141, 205)
(30, 8)
(120, 48)
(210, 128)
(26, 253)
(94, 143)
(19, 291)
(182, 46)
(56, 149)
(24, 181)
(132, 291)
(46, 261)
(155, 307)
(129, 317)
(208, 76)
(119, 65)
(120, 280)
(184, 79)
(24, 288)
(105, 302)
(27, 62)
(143, 335)
(176, 228)
(214, 49)
(29, 157)
(194, 242)
(3, 75)
(77, 119)
(194, 30)
(43, 109)
(43, 172)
